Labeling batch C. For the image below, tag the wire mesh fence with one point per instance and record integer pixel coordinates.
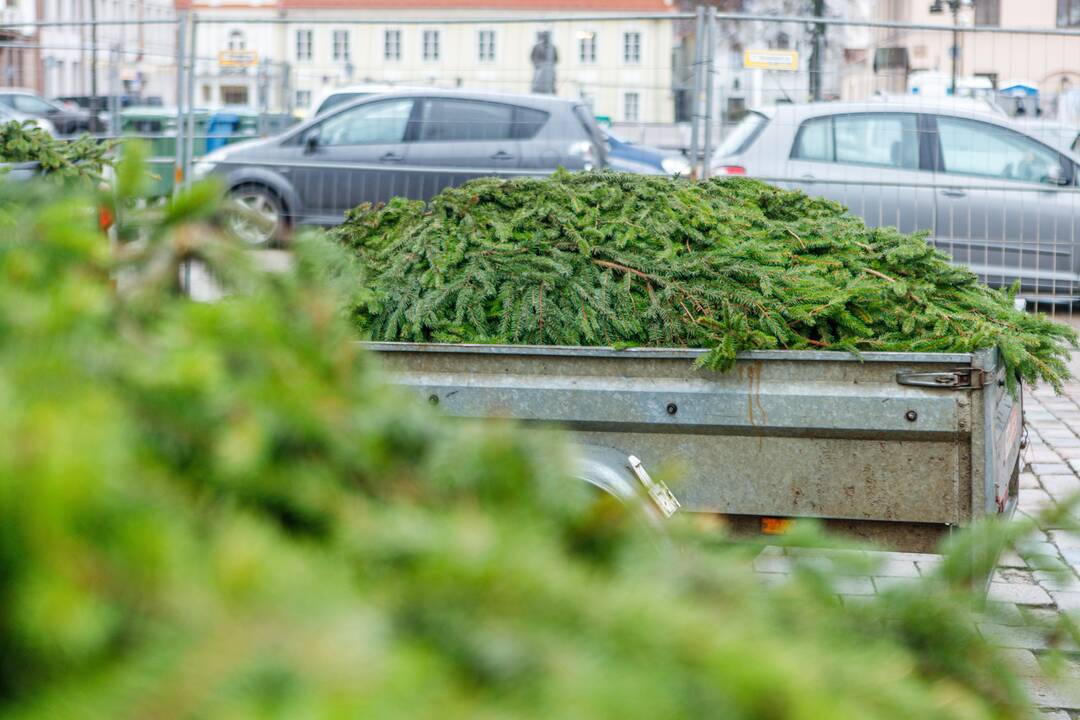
(967, 133)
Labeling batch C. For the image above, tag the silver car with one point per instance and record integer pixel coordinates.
(998, 200)
(405, 143)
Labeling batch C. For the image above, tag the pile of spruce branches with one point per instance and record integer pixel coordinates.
(727, 265)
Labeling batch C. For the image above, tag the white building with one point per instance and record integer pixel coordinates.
(617, 54)
(18, 54)
(131, 59)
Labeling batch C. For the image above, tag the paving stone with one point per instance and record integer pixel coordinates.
(773, 564)
(1064, 539)
(883, 583)
(1064, 581)
(1003, 614)
(1020, 593)
(1028, 480)
(928, 567)
(1059, 482)
(1071, 555)
(1054, 693)
(1042, 455)
(1032, 549)
(773, 579)
(1009, 636)
(1069, 453)
(852, 585)
(1023, 662)
(898, 568)
(1053, 715)
(1011, 559)
(1050, 468)
(1059, 666)
(1067, 601)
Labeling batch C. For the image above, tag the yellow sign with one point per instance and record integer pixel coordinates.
(786, 60)
(237, 58)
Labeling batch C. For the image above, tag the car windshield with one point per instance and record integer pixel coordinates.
(742, 135)
(29, 104)
(340, 99)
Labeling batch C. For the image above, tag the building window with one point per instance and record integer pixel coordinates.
(303, 44)
(631, 44)
(587, 47)
(485, 45)
(1068, 13)
(341, 45)
(236, 41)
(431, 45)
(631, 107)
(988, 12)
(234, 95)
(392, 45)
(303, 98)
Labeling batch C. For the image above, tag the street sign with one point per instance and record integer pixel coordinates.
(237, 58)
(785, 60)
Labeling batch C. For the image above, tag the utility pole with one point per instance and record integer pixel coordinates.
(93, 50)
(817, 51)
(938, 7)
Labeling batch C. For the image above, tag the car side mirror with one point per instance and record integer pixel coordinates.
(1055, 175)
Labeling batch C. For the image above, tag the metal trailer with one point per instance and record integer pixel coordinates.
(895, 448)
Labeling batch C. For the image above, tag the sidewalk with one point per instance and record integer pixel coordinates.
(1024, 597)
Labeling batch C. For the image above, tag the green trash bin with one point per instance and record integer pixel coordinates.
(156, 126)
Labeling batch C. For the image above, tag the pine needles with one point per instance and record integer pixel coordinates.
(728, 265)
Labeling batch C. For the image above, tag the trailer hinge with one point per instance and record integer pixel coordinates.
(658, 491)
(958, 379)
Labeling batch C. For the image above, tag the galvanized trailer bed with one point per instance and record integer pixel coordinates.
(899, 448)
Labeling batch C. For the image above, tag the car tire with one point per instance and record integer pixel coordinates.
(267, 222)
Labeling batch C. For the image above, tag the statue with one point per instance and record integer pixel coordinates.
(544, 56)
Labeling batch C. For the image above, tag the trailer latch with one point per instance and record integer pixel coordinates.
(658, 491)
(958, 379)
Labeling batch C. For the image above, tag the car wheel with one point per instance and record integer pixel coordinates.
(261, 216)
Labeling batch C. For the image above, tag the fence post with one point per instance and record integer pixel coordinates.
(695, 97)
(181, 38)
(114, 90)
(710, 53)
(192, 60)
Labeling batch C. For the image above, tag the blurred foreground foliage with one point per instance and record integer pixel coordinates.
(219, 511)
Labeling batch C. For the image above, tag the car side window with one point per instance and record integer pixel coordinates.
(881, 139)
(814, 140)
(370, 124)
(969, 147)
(447, 120)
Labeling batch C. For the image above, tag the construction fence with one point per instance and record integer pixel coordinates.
(964, 132)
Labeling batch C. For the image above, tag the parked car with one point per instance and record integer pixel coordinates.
(99, 107)
(25, 105)
(404, 143)
(342, 95)
(1060, 135)
(997, 199)
(625, 156)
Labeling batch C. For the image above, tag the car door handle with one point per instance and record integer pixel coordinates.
(502, 155)
(807, 177)
(391, 157)
(954, 193)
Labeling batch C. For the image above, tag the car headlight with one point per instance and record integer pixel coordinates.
(202, 168)
(675, 166)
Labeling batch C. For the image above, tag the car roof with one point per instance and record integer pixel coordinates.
(539, 102)
(956, 107)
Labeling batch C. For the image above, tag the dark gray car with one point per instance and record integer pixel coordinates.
(997, 199)
(401, 144)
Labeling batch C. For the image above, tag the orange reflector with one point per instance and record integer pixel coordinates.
(105, 218)
(776, 526)
(178, 175)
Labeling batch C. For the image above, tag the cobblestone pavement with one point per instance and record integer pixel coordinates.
(1023, 595)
